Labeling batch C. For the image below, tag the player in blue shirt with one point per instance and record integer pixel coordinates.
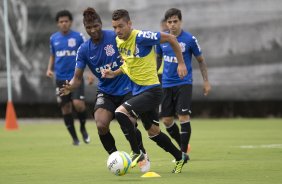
(63, 48)
(98, 53)
(160, 64)
(178, 92)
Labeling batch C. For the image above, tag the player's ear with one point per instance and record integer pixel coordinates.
(129, 23)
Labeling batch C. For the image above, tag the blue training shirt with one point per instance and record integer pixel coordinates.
(64, 48)
(104, 55)
(189, 45)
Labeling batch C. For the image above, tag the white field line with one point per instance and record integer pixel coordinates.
(261, 146)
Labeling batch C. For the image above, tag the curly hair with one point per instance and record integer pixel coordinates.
(90, 15)
(120, 14)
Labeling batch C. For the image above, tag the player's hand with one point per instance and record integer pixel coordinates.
(66, 89)
(181, 70)
(49, 73)
(107, 73)
(90, 79)
(206, 88)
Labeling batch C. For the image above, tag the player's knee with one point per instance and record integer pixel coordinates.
(102, 130)
(168, 121)
(184, 118)
(121, 109)
(79, 105)
(120, 116)
(122, 119)
(66, 108)
(103, 127)
(153, 131)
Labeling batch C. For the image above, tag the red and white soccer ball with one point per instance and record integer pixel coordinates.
(119, 163)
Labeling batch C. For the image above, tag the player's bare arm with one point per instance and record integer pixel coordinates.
(73, 84)
(108, 73)
(171, 39)
(49, 72)
(204, 72)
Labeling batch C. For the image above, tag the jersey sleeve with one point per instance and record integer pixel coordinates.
(148, 38)
(82, 38)
(52, 49)
(81, 58)
(159, 50)
(196, 49)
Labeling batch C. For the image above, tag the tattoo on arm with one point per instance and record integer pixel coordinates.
(204, 71)
(79, 77)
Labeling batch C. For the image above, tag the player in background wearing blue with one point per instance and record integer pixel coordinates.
(63, 48)
(160, 63)
(100, 52)
(178, 92)
(137, 49)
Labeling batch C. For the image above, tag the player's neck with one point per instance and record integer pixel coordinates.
(96, 41)
(128, 35)
(65, 32)
(176, 33)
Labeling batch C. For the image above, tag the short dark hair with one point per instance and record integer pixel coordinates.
(90, 15)
(63, 13)
(172, 12)
(119, 14)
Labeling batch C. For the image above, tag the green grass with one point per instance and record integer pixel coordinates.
(41, 152)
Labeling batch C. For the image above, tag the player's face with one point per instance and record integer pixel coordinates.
(174, 24)
(122, 28)
(64, 24)
(94, 29)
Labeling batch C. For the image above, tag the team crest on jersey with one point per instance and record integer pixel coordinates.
(71, 42)
(109, 50)
(182, 45)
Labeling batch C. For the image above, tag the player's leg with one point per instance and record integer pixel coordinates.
(168, 112)
(129, 109)
(103, 115)
(183, 109)
(151, 124)
(124, 119)
(146, 108)
(162, 140)
(80, 107)
(134, 121)
(66, 108)
(172, 129)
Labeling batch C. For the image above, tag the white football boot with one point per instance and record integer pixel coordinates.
(145, 164)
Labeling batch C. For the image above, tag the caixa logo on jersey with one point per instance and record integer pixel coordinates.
(71, 42)
(171, 59)
(107, 66)
(109, 50)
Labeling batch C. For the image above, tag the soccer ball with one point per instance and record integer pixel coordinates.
(119, 163)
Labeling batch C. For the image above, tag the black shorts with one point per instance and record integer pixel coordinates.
(145, 106)
(110, 102)
(77, 94)
(176, 100)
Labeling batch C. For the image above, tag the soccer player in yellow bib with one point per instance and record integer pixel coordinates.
(137, 50)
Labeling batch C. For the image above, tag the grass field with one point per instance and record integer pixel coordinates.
(223, 151)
